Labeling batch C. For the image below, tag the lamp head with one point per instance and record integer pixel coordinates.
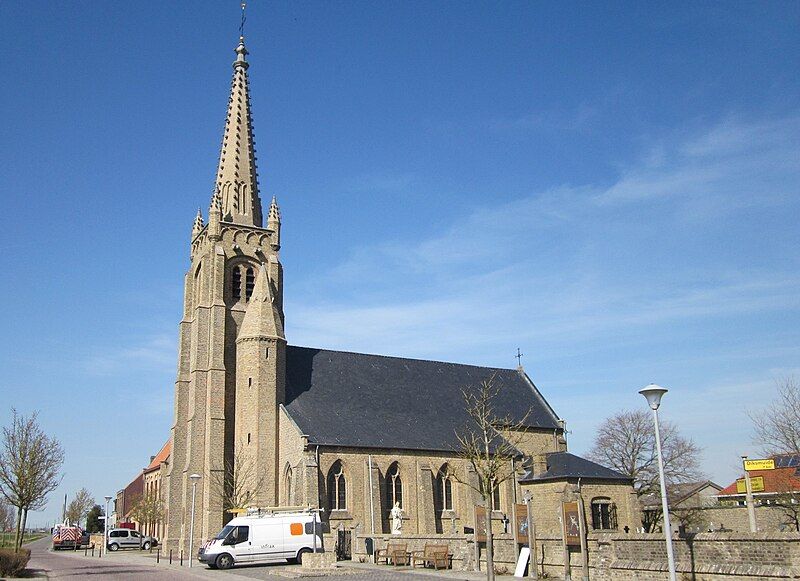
(107, 498)
(195, 477)
(653, 394)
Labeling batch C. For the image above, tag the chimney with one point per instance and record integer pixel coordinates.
(539, 464)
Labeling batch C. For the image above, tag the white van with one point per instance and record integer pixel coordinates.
(264, 538)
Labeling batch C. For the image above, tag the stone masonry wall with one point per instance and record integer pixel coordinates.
(631, 557)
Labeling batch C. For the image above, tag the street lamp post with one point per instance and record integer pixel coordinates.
(653, 394)
(194, 478)
(105, 523)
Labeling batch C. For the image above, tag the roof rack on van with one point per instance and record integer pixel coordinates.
(268, 510)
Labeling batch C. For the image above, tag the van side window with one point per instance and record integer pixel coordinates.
(239, 535)
(309, 528)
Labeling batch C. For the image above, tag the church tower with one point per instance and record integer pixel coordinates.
(231, 349)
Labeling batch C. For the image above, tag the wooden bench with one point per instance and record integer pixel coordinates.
(435, 555)
(394, 553)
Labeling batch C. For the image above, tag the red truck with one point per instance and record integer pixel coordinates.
(67, 537)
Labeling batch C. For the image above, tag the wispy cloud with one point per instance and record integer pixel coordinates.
(573, 263)
(156, 353)
(734, 164)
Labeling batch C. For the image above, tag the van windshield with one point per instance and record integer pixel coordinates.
(224, 532)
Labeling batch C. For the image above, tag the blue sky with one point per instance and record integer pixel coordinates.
(611, 187)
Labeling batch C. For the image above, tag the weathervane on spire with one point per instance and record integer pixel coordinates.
(519, 358)
(241, 26)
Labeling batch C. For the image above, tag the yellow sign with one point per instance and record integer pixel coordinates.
(768, 464)
(757, 484)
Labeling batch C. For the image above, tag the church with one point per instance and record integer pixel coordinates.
(267, 424)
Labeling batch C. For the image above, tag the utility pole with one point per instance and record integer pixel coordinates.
(751, 509)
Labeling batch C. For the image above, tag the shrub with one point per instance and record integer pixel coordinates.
(13, 564)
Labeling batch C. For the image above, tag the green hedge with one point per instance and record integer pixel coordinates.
(13, 564)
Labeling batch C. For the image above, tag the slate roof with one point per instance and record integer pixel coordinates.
(563, 465)
(372, 401)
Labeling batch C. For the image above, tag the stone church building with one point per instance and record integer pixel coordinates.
(349, 432)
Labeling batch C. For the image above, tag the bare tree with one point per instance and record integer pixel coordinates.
(30, 466)
(626, 442)
(6, 516)
(489, 443)
(79, 506)
(787, 498)
(777, 427)
(239, 482)
(148, 511)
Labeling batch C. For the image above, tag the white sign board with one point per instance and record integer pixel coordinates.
(524, 557)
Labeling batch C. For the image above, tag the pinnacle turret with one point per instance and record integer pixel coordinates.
(274, 212)
(237, 178)
(262, 319)
(198, 223)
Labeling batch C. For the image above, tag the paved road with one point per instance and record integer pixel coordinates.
(117, 566)
(130, 564)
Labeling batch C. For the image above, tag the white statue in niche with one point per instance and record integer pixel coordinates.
(397, 519)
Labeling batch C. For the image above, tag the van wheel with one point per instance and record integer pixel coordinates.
(224, 561)
(113, 547)
(300, 554)
(146, 547)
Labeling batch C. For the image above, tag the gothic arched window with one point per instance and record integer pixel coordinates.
(236, 283)
(250, 283)
(394, 486)
(337, 487)
(287, 485)
(443, 496)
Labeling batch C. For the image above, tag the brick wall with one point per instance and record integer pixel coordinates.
(632, 557)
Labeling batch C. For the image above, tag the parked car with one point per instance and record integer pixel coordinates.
(128, 539)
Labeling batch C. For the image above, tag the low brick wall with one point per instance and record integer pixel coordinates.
(701, 557)
(632, 557)
(461, 546)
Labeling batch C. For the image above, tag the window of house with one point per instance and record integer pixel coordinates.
(444, 489)
(337, 487)
(394, 486)
(604, 514)
(249, 283)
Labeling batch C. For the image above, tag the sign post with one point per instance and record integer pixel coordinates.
(584, 544)
(751, 510)
(571, 531)
(525, 533)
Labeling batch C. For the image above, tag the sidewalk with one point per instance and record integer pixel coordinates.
(447, 574)
(198, 570)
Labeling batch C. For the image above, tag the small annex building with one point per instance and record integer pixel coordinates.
(351, 433)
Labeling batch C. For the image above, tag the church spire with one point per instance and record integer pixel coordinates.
(237, 178)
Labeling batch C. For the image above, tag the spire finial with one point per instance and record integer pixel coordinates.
(241, 26)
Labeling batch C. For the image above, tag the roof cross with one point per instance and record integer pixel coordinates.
(519, 356)
(241, 26)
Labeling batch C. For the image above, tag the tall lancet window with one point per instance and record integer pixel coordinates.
(250, 283)
(337, 488)
(394, 486)
(287, 485)
(236, 283)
